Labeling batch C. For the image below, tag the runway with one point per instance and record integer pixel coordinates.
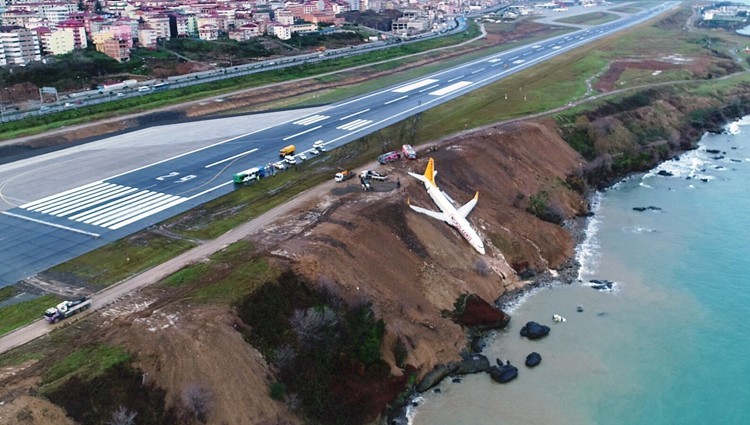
(50, 216)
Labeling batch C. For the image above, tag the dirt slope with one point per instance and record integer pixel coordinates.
(371, 246)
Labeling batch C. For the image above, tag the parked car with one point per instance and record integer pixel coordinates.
(389, 157)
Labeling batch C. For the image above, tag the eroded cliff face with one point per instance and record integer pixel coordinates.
(369, 246)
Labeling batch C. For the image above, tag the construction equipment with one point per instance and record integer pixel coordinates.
(369, 174)
(343, 175)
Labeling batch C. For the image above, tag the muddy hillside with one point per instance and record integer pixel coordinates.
(413, 267)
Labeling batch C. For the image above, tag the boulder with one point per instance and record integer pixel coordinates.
(478, 344)
(649, 208)
(434, 377)
(479, 314)
(533, 330)
(473, 363)
(664, 173)
(601, 284)
(503, 374)
(533, 359)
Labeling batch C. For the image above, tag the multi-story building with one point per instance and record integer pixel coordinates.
(208, 32)
(147, 38)
(79, 32)
(18, 46)
(55, 42)
(114, 48)
(245, 32)
(56, 12)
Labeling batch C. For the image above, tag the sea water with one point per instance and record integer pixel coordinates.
(669, 343)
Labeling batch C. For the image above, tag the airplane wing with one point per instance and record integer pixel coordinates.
(467, 207)
(433, 214)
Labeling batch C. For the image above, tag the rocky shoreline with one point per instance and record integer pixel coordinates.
(474, 361)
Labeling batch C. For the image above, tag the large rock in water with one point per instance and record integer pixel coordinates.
(434, 376)
(533, 330)
(533, 359)
(479, 314)
(473, 363)
(503, 374)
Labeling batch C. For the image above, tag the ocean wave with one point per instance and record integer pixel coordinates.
(411, 409)
(638, 229)
(733, 128)
(587, 252)
(511, 306)
(642, 184)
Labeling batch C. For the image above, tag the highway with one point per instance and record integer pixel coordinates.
(46, 230)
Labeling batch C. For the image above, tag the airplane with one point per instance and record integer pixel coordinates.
(449, 213)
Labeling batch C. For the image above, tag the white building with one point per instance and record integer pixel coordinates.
(18, 46)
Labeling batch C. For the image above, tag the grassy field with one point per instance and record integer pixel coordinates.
(88, 363)
(226, 277)
(121, 259)
(7, 292)
(627, 9)
(21, 314)
(594, 18)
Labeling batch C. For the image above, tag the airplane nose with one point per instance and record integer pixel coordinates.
(480, 248)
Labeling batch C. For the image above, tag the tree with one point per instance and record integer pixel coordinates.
(311, 324)
(98, 7)
(81, 6)
(122, 416)
(197, 400)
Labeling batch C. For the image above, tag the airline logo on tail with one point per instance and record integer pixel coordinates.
(448, 213)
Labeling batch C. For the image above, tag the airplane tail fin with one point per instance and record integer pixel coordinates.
(429, 173)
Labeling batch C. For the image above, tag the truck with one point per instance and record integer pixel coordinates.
(66, 309)
(343, 175)
(287, 150)
(369, 174)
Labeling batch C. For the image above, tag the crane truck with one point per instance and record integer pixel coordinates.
(66, 309)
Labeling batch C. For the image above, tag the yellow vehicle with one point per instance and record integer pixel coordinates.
(287, 150)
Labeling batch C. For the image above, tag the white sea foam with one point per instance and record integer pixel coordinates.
(510, 307)
(411, 410)
(733, 128)
(641, 184)
(615, 289)
(638, 230)
(587, 252)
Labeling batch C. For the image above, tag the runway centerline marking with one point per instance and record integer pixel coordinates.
(353, 115)
(301, 133)
(396, 100)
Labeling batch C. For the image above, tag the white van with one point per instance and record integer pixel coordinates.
(144, 88)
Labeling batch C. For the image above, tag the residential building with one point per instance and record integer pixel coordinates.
(55, 42)
(79, 32)
(18, 46)
(114, 48)
(208, 32)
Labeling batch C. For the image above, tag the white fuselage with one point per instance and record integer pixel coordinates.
(454, 218)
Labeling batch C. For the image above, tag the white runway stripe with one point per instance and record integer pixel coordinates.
(32, 206)
(354, 124)
(104, 204)
(414, 86)
(117, 212)
(453, 87)
(92, 213)
(311, 119)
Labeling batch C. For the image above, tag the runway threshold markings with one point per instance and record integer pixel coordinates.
(395, 100)
(302, 132)
(354, 124)
(102, 204)
(311, 119)
(449, 89)
(354, 114)
(414, 86)
(231, 158)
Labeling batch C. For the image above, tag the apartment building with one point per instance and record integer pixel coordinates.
(18, 46)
